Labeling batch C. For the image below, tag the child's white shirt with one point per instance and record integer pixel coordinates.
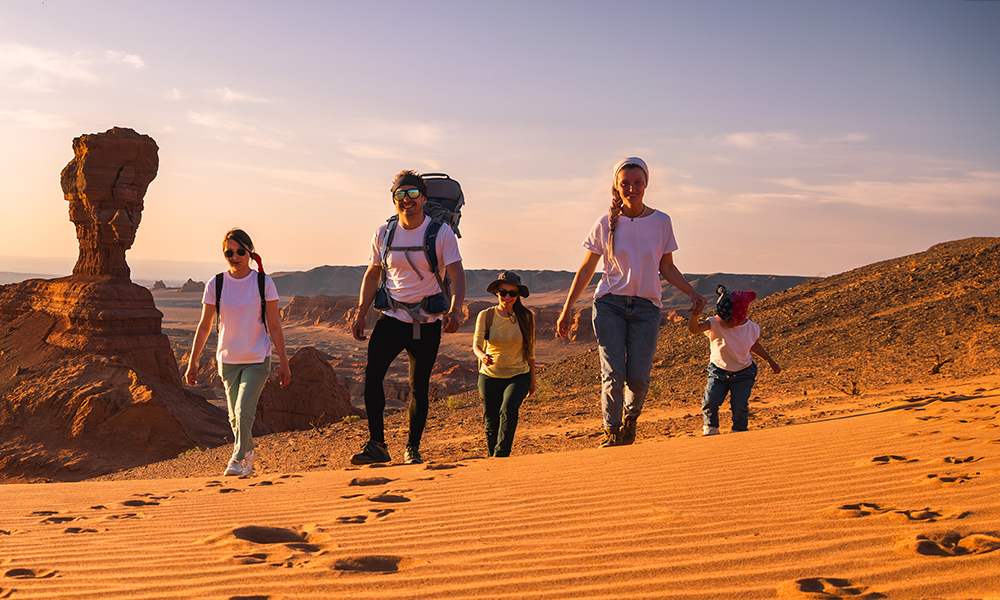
(242, 338)
(731, 345)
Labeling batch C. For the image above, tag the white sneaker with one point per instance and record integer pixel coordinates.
(248, 463)
(708, 430)
(235, 467)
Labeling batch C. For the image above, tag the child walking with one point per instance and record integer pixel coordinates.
(731, 369)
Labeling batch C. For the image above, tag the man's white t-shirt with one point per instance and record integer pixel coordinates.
(639, 246)
(242, 338)
(731, 345)
(403, 283)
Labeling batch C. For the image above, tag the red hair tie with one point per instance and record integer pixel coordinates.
(260, 265)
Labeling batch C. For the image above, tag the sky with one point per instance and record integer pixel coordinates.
(787, 138)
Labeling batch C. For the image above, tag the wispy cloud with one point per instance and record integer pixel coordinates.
(228, 95)
(38, 69)
(217, 122)
(391, 140)
(36, 120)
(129, 59)
(783, 139)
(175, 94)
(263, 143)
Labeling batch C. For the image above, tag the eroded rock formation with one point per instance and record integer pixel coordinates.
(88, 382)
(314, 397)
(105, 184)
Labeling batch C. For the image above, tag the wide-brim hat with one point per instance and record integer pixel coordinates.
(508, 277)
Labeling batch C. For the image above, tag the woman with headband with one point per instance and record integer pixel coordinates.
(636, 243)
(247, 313)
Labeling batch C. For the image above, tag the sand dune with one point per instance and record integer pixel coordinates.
(897, 502)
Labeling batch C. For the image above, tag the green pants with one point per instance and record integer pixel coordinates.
(244, 384)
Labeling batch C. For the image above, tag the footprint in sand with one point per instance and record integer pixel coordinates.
(125, 516)
(79, 530)
(376, 564)
(265, 482)
(822, 588)
(229, 490)
(948, 478)
(391, 496)
(30, 573)
(377, 513)
(952, 438)
(442, 466)
(927, 515)
(891, 459)
(140, 503)
(6, 592)
(950, 543)
(365, 481)
(957, 460)
(59, 520)
(854, 511)
(867, 509)
(284, 547)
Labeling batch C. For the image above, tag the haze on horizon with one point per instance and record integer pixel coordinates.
(787, 138)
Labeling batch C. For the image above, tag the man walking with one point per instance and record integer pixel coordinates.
(415, 311)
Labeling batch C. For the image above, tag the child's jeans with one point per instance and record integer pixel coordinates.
(738, 384)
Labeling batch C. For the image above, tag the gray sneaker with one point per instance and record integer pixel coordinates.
(411, 456)
(371, 452)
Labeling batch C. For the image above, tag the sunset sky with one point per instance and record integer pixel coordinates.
(796, 138)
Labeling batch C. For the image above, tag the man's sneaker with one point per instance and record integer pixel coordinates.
(371, 452)
(235, 467)
(411, 456)
(612, 437)
(628, 430)
(709, 430)
(248, 463)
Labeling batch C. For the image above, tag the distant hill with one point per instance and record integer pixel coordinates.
(346, 281)
(917, 318)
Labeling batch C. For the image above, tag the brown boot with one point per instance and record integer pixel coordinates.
(628, 430)
(612, 437)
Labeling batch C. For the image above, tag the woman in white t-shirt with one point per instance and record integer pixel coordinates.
(636, 243)
(244, 348)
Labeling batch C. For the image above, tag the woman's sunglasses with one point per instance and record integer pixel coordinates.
(511, 293)
(400, 194)
(240, 251)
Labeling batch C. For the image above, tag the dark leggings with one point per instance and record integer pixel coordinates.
(501, 400)
(389, 338)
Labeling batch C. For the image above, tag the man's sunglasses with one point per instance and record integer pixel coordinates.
(511, 293)
(398, 195)
(240, 251)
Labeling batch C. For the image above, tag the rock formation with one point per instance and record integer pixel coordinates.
(314, 397)
(159, 285)
(191, 286)
(105, 184)
(88, 381)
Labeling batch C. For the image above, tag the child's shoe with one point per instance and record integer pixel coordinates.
(709, 430)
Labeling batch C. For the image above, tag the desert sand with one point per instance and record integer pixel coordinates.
(894, 501)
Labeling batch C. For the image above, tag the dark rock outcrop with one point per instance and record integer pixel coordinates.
(191, 286)
(315, 396)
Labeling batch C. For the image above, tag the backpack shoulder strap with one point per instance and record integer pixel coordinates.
(390, 230)
(430, 244)
(261, 280)
(489, 322)
(219, 279)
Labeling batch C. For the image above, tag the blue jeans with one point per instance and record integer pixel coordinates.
(627, 328)
(243, 384)
(738, 384)
(501, 400)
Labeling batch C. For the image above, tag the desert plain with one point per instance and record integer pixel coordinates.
(872, 470)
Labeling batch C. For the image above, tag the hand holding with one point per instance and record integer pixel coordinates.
(191, 375)
(562, 326)
(358, 328)
(284, 374)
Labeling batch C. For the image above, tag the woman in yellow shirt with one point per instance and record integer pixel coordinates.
(505, 345)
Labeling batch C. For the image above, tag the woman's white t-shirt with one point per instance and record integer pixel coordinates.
(242, 338)
(639, 246)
